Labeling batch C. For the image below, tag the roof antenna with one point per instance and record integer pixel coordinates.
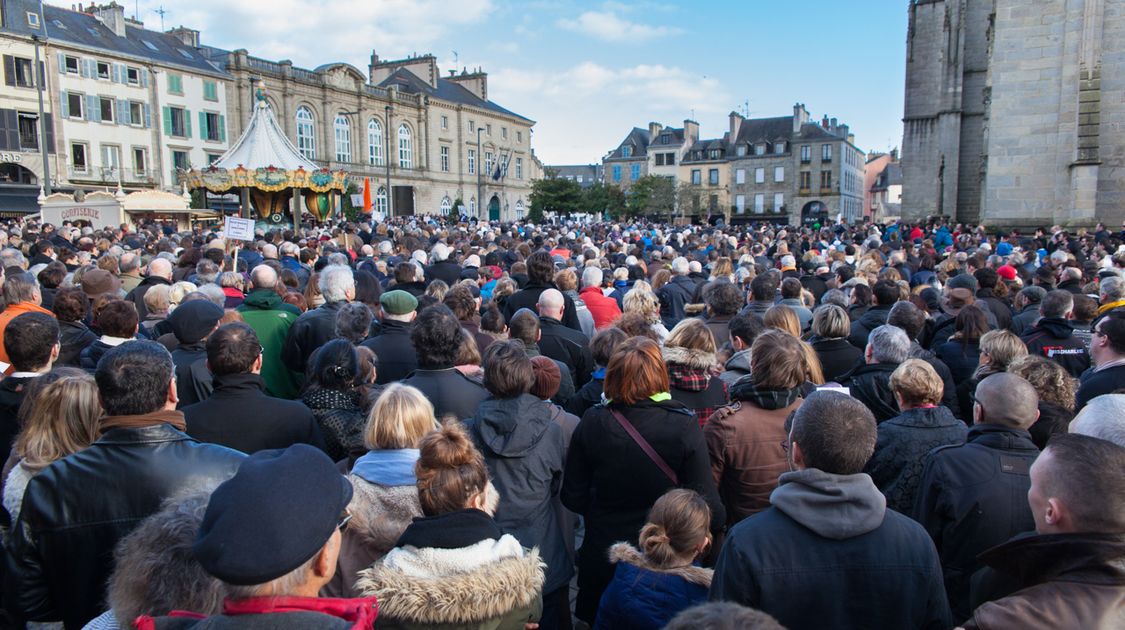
(455, 58)
(161, 11)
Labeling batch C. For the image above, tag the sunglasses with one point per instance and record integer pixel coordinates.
(343, 524)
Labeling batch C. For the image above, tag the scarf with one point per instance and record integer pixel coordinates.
(390, 467)
(164, 416)
(764, 398)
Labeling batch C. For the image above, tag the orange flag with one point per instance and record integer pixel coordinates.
(366, 196)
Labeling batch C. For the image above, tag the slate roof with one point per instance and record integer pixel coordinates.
(639, 139)
(675, 137)
(891, 176)
(446, 90)
(86, 31)
(755, 130)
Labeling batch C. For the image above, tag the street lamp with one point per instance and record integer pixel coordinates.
(41, 78)
(387, 159)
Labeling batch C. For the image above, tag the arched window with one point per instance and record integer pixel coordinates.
(472, 206)
(519, 210)
(381, 200)
(343, 139)
(446, 206)
(405, 147)
(306, 133)
(374, 143)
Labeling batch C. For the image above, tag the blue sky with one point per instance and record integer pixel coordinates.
(588, 72)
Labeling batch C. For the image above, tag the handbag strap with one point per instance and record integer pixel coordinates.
(645, 446)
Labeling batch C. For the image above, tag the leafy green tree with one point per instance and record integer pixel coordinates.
(600, 197)
(652, 195)
(554, 194)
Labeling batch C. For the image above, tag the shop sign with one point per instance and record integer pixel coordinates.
(15, 158)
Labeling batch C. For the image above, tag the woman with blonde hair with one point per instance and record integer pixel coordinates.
(998, 350)
(689, 356)
(783, 318)
(643, 301)
(1056, 390)
(385, 498)
(654, 582)
(59, 415)
(178, 292)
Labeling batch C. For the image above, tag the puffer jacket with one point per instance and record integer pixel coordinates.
(692, 383)
(870, 383)
(271, 318)
(643, 596)
(524, 450)
(341, 417)
(896, 466)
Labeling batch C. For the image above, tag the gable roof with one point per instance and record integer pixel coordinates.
(446, 90)
(755, 130)
(638, 139)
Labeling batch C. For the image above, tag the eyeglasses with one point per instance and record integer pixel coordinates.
(343, 524)
(261, 350)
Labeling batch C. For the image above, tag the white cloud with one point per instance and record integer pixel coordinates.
(608, 26)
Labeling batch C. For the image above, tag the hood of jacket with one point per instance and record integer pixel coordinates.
(926, 418)
(624, 552)
(266, 299)
(1055, 326)
(388, 467)
(697, 359)
(837, 507)
(739, 361)
(380, 513)
(511, 427)
(1084, 557)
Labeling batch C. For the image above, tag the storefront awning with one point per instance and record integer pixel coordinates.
(17, 200)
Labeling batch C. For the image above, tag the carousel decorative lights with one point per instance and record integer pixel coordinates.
(267, 170)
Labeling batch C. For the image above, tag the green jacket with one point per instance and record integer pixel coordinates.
(271, 317)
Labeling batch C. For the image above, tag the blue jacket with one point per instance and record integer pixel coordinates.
(643, 597)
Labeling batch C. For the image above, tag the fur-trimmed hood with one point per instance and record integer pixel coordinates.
(691, 358)
(624, 552)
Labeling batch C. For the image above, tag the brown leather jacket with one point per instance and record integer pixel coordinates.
(744, 442)
(1066, 580)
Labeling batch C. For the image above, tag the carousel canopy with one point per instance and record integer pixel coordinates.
(263, 145)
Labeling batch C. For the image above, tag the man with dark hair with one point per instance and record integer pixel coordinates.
(21, 295)
(117, 321)
(76, 509)
(886, 294)
(791, 297)
(466, 307)
(1068, 574)
(1027, 308)
(721, 300)
(1107, 349)
(33, 346)
(744, 329)
(525, 327)
(70, 308)
(437, 339)
(763, 292)
(987, 279)
(239, 414)
(271, 318)
(395, 358)
(971, 496)
(831, 533)
(540, 277)
(1052, 336)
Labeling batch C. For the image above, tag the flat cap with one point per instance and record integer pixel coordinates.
(192, 321)
(398, 302)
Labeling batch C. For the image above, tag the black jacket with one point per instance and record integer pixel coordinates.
(193, 379)
(137, 295)
(523, 448)
(673, 297)
(241, 416)
(587, 396)
(450, 391)
(447, 271)
(567, 345)
(342, 417)
(312, 330)
(76, 510)
(904, 440)
(613, 484)
(1025, 319)
(73, 339)
(870, 383)
(949, 390)
(1000, 309)
(1097, 382)
(962, 358)
(90, 355)
(837, 357)
(974, 496)
(875, 317)
(1053, 338)
(817, 285)
(394, 353)
(528, 297)
(11, 397)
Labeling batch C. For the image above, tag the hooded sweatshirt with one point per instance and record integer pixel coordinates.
(834, 506)
(1052, 337)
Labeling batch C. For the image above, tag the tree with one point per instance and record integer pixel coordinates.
(554, 194)
(652, 195)
(600, 197)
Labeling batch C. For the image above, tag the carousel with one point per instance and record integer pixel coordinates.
(267, 171)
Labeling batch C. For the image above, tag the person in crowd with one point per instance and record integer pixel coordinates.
(970, 496)
(567, 284)
(142, 441)
(21, 295)
(466, 308)
(1111, 294)
(689, 355)
(831, 533)
(117, 322)
(157, 303)
(454, 566)
(998, 349)
(271, 318)
(353, 323)
(59, 418)
(601, 349)
(791, 297)
(545, 387)
(744, 439)
(1056, 395)
(1107, 352)
(912, 320)
(523, 448)
(962, 352)
(887, 347)
(676, 293)
(722, 616)
(192, 323)
(436, 337)
(443, 267)
(71, 307)
(641, 302)
(624, 456)
(657, 579)
(33, 346)
(763, 293)
(159, 271)
(1103, 417)
(540, 273)
(831, 327)
(903, 441)
(525, 329)
(1052, 336)
(603, 308)
(1069, 572)
(385, 500)
(394, 351)
(956, 295)
(885, 293)
(239, 414)
(317, 326)
(987, 279)
(336, 397)
(744, 329)
(721, 303)
(274, 551)
(1027, 309)
(783, 318)
(1085, 311)
(561, 343)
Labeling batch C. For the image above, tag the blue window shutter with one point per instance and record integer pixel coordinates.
(148, 116)
(222, 128)
(187, 123)
(203, 125)
(93, 112)
(144, 77)
(64, 105)
(167, 120)
(62, 63)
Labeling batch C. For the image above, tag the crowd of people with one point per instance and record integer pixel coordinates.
(437, 424)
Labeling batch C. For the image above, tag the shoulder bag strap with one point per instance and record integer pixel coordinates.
(645, 446)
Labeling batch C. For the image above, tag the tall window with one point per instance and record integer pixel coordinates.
(826, 153)
(488, 163)
(472, 161)
(405, 147)
(759, 203)
(374, 143)
(445, 159)
(713, 177)
(779, 173)
(778, 201)
(381, 200)
(519, 210)
(626, 152)
(446, 206)
(306, 134)
(616, 172)
(519, 170)
(635, 173)
(806, 153)
(740, 176)
(343, 138)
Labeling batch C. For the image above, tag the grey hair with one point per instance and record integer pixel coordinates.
(353, 322)
(592, 277)
(214, 293)
(12, 257)
(680, 266)
(282, 586)
(835, 297)
(129, 261)
(1113, 287)
(289, 248)
(339, 258)
(230, 279)
(335, 282)
(889, 344)
(206, 271)
(263, 277)
(20, 287)
(1103, 417)
(439, 252)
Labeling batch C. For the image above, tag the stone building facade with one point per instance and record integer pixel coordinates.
(1009, 117)
(430, 141)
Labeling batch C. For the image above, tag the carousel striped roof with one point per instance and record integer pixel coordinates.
(263, 144)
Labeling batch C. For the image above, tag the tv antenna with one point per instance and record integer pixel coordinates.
(456, 57)
(161, 11)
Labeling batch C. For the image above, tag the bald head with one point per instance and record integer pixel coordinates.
(263, 277)
(160, 267)
(551, 304)
(1008, 400)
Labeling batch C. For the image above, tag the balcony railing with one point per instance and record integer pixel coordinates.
(109, 176)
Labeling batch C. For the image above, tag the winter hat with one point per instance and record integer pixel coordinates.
(1007, 272)
(194, 320)
(959, 299)
(398, 302)
(95, 282)
(547, 377)
(272, 516)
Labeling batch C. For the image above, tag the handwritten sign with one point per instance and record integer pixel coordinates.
(239, 229)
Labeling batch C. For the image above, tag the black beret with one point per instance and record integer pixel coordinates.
(272, 516)
(194, 320)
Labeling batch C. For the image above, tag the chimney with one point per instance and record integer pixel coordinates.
(113, 16)
(735, 125)
(842, 130)
(832, 125)
(654, 130)
(188, 37)
(824, 122)
(691, 132)
(800, 117)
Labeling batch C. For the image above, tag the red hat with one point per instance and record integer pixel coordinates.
(1007, 272)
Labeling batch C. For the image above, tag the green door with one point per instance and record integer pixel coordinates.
(494, 209)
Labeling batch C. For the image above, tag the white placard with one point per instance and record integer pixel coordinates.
(239, 229)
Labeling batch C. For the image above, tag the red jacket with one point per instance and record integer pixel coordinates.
(604, 309)
(359, 612)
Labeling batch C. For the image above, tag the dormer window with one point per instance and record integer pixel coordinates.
(760, 149)
(715, 154)
(665, 139)
(779, 148)
(33, 19)
(626, 152)
(740, 150)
